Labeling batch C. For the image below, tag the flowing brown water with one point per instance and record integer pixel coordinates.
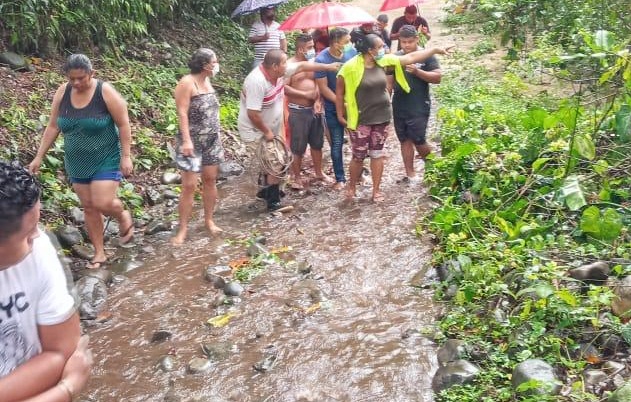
(361, 343)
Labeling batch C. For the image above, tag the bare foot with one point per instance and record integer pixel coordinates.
(325, 179)
(339, 185)
(212, 228)
(126, 235)
(378, 197)
(179, 238)
(297, 185)
(349, 194)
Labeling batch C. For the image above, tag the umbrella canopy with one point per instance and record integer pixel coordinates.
(326, 14)
(250, 6)
(392, 4)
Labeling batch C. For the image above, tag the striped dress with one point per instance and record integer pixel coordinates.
(91, 140)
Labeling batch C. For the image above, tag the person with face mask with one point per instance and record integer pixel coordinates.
(363, 104)
(305, 114)
(340, 50)
(266, 36)
(199, 148)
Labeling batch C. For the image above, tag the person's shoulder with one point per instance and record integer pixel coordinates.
(324, 56)
(275, 25)
(422, 20)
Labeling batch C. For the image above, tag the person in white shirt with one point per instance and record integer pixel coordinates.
(41, 356)
(265, 35)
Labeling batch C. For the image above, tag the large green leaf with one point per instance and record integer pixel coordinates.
(604, 39)
(605, 225)
(584, 146)
(572, 194)
(623, 123)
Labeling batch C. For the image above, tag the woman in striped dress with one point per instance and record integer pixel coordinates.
(93, 118)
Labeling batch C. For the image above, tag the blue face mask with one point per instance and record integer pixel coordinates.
(348, 47)
(310, 54)
(380, 54)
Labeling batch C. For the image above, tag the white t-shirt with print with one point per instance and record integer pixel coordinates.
(32, 292)
(259, 94)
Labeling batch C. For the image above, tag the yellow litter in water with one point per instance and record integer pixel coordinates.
(313, 308)
(221, 320)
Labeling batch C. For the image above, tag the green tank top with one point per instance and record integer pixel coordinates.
(91, 140)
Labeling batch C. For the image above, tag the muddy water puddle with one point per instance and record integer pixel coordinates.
(347, 329)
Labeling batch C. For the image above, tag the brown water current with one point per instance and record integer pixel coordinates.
(360, 343)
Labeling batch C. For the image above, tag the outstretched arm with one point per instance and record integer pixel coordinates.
(420, 55)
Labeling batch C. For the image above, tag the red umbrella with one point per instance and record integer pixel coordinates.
(326, 14)
(392, 4)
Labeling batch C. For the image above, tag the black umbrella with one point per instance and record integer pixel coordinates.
(250, 6)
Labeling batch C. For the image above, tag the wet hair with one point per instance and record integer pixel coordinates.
(199, 59)
(273, 56)
(357, 35)
(382, 18)
(78, 61)
(366, 42)
(408, 31)
(411, 10)
(19, 192)
(336, 34)
(303, 38)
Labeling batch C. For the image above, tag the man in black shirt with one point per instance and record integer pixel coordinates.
(410, 17)
(381, 29)
(411, 109)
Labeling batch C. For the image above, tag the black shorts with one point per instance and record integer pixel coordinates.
(305, 128)
(413, 129)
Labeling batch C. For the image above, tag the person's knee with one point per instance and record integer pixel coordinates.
(209, 180)
(104, 204)
(189, 187)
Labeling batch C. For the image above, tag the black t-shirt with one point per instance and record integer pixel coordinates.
(385, 36)
(401, 21)
(407, 105)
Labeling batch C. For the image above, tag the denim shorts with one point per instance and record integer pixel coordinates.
(114, 175)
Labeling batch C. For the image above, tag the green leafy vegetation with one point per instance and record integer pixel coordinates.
(531, 184)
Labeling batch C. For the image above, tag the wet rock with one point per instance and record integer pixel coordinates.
(611, 343)
(269, 360)
(229, 168)
(469, 197)
(171, 178)
(199, 365)
(13, 60)
(449, 270)
(77, 216)
(93, 295)
(170, 195)
(622, 394)
(535, 369)
(102, 274)
(304, 267)
(451, 291)
(217, 275)
(156, 226)
(69, 235)
(161, 335)
(118, 279)
(153, 197)
(454, 373)
(452, 350)
(613, 367)
(621, 303)
(594, 273)
(233, 289)
(111, 227)
(166, 363)
(172, 396)
(418, 280)
(256, 249)
(85, 252)
(594, 377)
(618, 381)
(217, 351)
(219, 300)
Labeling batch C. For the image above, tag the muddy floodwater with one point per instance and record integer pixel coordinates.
(346, 330)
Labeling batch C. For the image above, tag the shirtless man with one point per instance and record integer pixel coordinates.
(305, 114)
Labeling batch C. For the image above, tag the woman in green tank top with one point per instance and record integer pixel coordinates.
(93, 118)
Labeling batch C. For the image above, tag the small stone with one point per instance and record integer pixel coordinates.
(217, 275)
(233, 289)
(161, 335)
(77, 216)
(199, 365)
(622, 302)
(539, 370)
(217, 351)
(594, 273)
(85, 252)
(418, 280)
(118, 279)
(265, 364)
(454, 373)
(166, 363)
(304, 267)
(102, 274)
(256, 249)
(13, 60)
(613, 367)
(594, 377)
(229, 168)
(156, 226)
(69, 235)
(170, 195)
(93, 295)
(171, 178)
(452, 350)
(153, 197)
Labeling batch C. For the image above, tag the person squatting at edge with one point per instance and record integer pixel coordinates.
(261, 110)
(340, 51)
(363, 104)
(42, 358)
(199, 146)
(411, 109)
(93, 118)
(305, 114)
